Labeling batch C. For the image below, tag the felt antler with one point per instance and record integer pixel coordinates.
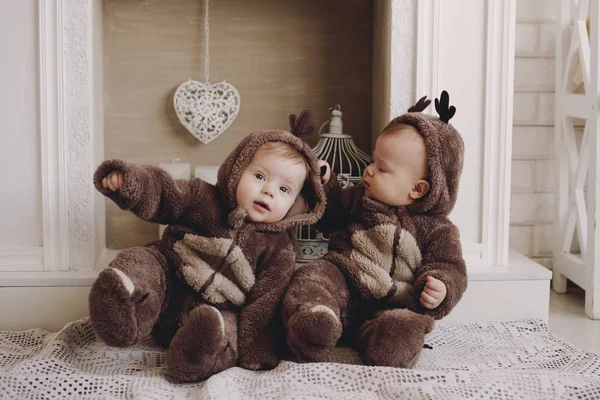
(300, 125)
(420, 105)
(443, 107)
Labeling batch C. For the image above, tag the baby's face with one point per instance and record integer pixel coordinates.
(396, 176)
(269, 186)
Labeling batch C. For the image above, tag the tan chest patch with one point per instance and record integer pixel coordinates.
(384, 268)
(229, 275)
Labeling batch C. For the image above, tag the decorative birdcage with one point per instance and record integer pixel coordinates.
(348, 162)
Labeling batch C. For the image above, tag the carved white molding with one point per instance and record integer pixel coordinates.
(26, 259)
(66, 101)
(402, 57)
(393, 60)
(78, 39)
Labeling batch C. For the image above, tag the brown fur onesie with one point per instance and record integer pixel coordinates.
(368, 284)
(210, 290)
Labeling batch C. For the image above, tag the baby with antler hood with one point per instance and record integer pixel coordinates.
(394, 262)
(210, 290)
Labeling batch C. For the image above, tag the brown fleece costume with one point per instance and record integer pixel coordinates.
(210, 290)
(369, 283)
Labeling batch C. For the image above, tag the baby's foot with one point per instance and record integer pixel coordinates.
(313, 331)
(121, 313)
(200, 347)
(394, 338)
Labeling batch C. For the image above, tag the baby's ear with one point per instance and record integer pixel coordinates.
(299, 207)
(420, 189)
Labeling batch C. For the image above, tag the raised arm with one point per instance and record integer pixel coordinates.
(149, 192)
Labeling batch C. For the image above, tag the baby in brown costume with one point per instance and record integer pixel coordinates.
(210, 290)
(394, 262)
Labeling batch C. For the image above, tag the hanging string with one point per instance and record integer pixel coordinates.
(206, 109)
(206, 38)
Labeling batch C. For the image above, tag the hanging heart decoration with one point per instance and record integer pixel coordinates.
(206, 109)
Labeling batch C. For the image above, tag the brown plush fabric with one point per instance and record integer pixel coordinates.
(378, 259)
(393, 338)
(212, 264)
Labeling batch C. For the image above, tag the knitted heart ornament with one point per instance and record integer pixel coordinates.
(206, 109)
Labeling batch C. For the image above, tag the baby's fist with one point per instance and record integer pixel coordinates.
(254, 366)
(113, 181)
(434, 293)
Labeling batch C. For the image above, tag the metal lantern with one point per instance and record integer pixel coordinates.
(348, 162)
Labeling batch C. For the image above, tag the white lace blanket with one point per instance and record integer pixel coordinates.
(518, 359)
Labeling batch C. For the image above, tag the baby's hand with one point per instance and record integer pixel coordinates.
(433, 293)
(254, 366)
(325, 171)
(113, 181)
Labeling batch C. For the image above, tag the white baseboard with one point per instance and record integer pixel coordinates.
(22, 258)
(27, 278)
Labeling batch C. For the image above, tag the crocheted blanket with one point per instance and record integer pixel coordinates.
(500, 360)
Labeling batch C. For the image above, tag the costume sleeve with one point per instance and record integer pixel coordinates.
(339, 202)
(442, 259)
(261, 335)
(150, 192)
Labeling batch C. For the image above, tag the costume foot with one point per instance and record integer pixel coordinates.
(200, 347)
(394, 338)
(122, 313)
(312, 332)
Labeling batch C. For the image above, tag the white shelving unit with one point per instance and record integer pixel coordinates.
(577, 243)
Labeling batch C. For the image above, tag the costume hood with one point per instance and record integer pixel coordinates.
(231, 171)
(445, 154)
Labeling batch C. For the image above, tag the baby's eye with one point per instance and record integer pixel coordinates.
(259, 176)
(382, 170)
(284, 189)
